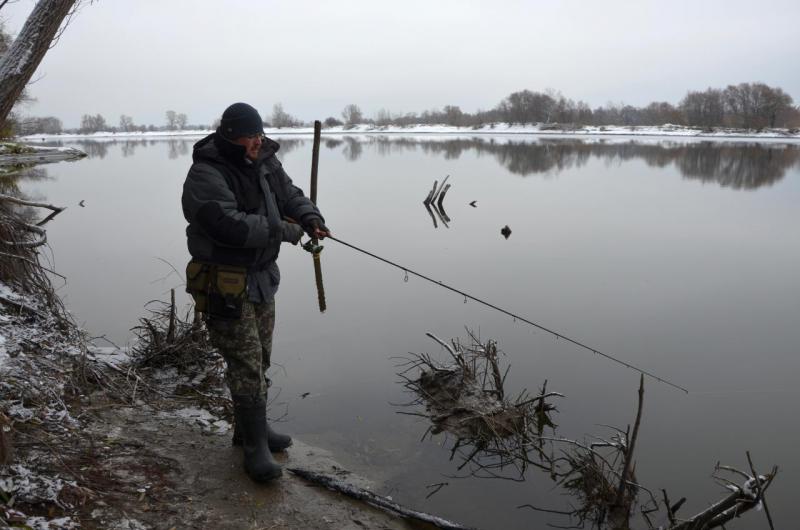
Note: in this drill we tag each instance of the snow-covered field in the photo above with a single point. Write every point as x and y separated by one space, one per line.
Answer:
490 129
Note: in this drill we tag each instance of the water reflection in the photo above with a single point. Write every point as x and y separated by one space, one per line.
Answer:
94 148
733 165
736 165
178 148
12 176
129 148
353 148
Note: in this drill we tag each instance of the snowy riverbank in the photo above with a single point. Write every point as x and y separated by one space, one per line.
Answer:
489 129
88 439
13 153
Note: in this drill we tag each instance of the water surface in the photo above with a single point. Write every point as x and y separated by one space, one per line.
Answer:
679 256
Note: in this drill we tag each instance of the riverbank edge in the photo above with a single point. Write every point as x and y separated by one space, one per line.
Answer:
499 129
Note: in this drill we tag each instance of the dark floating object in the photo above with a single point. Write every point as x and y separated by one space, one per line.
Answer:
506 231
305 395
474 204
81 204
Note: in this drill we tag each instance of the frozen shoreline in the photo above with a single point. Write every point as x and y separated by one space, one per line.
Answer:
499 129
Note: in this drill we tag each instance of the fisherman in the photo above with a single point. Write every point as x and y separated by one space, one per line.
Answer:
241 205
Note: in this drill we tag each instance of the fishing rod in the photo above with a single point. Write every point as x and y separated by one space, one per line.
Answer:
556 334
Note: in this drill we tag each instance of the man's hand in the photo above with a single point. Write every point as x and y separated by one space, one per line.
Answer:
292 232
317 229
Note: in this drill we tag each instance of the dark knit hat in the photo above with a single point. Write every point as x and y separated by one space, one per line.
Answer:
240 119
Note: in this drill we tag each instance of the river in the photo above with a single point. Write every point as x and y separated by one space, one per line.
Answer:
679 256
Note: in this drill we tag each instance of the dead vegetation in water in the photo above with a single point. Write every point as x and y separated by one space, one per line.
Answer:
166 343
498 437
21 240
466 399
434 202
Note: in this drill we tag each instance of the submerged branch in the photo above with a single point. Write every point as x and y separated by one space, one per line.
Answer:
375 500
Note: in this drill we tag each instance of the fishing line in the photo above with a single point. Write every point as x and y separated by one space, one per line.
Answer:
556 334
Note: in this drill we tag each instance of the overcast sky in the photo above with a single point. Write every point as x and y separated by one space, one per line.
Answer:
143 57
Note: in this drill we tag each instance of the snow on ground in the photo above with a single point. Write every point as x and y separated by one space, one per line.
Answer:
488 129
195 415
109 354
31 389
15 149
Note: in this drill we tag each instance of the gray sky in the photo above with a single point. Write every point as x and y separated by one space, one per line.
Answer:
143 57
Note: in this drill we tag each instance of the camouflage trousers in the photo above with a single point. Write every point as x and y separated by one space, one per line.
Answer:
246 345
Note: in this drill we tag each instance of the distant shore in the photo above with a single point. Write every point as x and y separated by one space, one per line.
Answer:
489 129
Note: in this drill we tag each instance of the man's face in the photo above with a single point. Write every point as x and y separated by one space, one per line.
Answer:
251 143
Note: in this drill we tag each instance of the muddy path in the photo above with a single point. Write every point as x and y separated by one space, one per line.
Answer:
180 475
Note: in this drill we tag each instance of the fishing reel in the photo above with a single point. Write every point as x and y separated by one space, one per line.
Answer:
312 247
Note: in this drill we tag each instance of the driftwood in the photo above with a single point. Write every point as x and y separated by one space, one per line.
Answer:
23 202
374 499
19 256
750 494
36 230
441 197
434 202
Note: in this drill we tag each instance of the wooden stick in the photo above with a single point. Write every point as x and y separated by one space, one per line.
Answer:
441 197
630 446
23 202
375 500
759 491
441 187
171 329
315 161
320 287
313 195
430 212
443 344
431 193
33 263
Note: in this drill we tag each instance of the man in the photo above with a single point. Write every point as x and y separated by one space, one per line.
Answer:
241 205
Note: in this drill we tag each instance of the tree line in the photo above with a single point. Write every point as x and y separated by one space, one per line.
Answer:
746 106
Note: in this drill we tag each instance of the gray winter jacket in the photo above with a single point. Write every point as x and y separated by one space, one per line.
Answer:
235 209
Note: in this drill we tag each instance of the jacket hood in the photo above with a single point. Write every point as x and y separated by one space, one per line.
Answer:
215 148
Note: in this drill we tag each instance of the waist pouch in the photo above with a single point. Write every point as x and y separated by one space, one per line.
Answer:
218 290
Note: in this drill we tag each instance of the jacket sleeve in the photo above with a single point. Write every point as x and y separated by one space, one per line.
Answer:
209 202
293 202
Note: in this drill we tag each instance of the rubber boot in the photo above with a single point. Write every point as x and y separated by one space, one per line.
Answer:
250 415
277 442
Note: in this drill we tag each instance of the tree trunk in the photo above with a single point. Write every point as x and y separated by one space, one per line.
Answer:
23 57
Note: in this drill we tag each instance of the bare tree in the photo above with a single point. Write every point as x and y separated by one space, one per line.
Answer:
180 121
453 115
126 123
26 52
43 125
172 120
352 114
383 117
281 118
90 124
527 107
